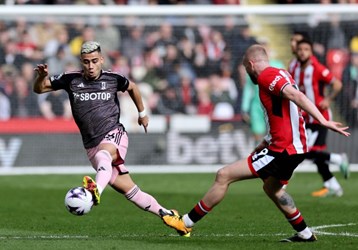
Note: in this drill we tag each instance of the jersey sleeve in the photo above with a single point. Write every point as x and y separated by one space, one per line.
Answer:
324 74
122 83
60 81
273 80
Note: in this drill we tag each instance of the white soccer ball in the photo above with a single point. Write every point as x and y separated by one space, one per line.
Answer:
78 201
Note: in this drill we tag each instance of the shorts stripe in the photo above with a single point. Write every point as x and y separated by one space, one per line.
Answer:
262 162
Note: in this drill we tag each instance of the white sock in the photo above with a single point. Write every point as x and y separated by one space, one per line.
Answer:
305 233
335 158
187 221
332 184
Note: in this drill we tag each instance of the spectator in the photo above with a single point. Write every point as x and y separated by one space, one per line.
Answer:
349 95
152 63
27 72
231 33
28 48
166 37
58 62
108 36
43 32
11 55
330 44
187 92
87 34
23 100
17 28
61 39
171 66
201 64
133 45
215 47
221 98
169 102
205 105
187 55
121 65
190 31
5 110
55 104
243 41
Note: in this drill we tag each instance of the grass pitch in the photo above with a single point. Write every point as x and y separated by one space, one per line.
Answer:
33 216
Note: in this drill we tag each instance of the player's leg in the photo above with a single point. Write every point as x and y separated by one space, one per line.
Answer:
112 149
321 159
102 157
124 184
224 177
273 188
340 160
331 185
275 175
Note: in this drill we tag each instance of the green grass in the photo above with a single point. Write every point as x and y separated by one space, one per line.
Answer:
33 216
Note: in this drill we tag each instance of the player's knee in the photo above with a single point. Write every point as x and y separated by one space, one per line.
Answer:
222 176
103 154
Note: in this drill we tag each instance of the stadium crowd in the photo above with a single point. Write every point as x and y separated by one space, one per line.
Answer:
190 69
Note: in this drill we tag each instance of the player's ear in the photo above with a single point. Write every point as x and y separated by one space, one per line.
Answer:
251 64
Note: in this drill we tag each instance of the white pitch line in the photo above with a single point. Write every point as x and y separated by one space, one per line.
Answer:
315 229
333 225
347 234
43 237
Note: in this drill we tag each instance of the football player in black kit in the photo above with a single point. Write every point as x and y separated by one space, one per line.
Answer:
95 107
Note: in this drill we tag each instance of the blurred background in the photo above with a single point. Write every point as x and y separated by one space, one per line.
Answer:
185 57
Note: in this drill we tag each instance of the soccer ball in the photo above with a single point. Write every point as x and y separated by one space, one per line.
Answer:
78 201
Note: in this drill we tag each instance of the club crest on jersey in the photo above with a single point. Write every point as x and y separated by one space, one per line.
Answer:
103 85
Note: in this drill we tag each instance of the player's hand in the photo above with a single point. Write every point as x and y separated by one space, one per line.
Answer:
41 70
338 127
143 122
324 104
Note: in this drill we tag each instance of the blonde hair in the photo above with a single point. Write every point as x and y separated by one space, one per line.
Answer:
256 52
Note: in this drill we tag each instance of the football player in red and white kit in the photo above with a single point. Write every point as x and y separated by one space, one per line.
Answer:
313 78
295 37
275 159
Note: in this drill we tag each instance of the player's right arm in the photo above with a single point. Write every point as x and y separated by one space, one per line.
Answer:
42 83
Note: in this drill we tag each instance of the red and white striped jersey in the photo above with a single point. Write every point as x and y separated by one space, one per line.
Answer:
285 124
312 81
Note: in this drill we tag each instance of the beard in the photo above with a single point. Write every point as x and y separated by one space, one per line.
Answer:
253 78
303 60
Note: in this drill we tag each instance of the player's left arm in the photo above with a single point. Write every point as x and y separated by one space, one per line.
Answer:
336 88
302 101
136 96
